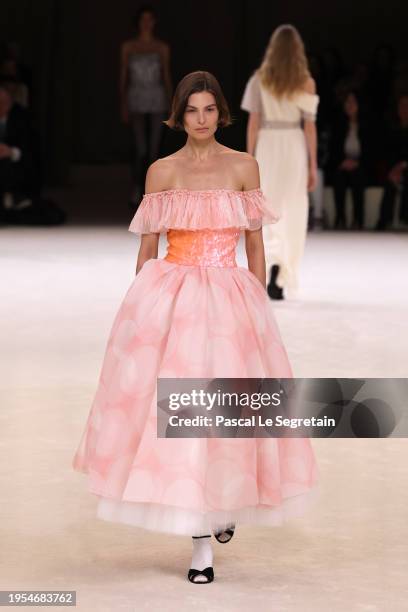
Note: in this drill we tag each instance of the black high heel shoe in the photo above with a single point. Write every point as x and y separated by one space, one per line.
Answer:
230 532
207 572
274 291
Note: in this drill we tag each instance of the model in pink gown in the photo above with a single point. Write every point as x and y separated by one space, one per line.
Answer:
194 313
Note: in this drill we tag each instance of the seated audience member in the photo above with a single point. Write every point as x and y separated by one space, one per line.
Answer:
9 71
16 166
397 168
20 176
350 159
13 65
33 137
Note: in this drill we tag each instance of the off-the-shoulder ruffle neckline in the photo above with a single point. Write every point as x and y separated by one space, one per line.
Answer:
202 191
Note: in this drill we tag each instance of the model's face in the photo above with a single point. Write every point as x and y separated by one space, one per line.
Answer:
146 22
201 115
351 105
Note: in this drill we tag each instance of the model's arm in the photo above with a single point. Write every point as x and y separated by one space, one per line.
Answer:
123 83
254 120
156 178
254 246
309 128
149 247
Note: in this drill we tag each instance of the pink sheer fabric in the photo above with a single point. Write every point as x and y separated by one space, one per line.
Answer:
202 209
193 314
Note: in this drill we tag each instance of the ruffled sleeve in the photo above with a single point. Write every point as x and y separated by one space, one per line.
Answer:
308 103
251 100
194 210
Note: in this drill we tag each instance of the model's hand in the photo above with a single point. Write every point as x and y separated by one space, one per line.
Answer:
312 178
348 164
395 174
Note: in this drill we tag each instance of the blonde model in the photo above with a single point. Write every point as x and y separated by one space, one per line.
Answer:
282 104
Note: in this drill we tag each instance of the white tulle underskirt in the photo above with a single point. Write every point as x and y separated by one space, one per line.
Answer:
181 521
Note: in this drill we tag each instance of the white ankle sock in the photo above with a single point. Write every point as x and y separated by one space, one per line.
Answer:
202 554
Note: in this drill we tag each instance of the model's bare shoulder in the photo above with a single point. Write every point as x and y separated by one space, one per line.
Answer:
236 156
159 173
244 167
249 171
125 47
244 160
245 157
163 47
309 86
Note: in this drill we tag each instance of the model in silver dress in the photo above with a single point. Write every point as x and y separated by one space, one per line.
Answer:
145 93
147 101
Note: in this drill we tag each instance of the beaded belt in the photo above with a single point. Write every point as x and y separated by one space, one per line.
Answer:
280 125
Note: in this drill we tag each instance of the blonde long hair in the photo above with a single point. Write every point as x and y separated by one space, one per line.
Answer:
284 68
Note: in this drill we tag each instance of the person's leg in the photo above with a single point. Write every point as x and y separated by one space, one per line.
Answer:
274 291
403 211
317 196
14 180
202 555
156 123
339 188
273 238
387 205
139 152
358 183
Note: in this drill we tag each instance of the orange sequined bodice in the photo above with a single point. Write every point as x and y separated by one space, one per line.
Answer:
215 248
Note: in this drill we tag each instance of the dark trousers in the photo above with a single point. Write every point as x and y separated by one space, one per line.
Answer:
145 143
389 199
15 178
356 181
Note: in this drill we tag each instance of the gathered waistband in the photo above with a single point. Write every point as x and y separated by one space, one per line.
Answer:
279 125
200 262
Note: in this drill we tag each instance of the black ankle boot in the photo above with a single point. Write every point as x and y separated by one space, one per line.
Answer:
274 292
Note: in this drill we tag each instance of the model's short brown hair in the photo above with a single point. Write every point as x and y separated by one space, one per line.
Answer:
194 82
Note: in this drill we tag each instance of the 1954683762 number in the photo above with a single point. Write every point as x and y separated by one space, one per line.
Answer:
38 598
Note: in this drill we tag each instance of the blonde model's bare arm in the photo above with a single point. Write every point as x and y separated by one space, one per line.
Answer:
254 121
309 129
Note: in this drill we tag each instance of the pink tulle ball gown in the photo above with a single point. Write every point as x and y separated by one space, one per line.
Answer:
194 314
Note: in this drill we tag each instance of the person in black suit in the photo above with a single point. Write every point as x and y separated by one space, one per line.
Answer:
397 162
350 160
16 163
21 177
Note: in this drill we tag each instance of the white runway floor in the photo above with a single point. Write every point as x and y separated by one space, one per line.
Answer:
61 288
